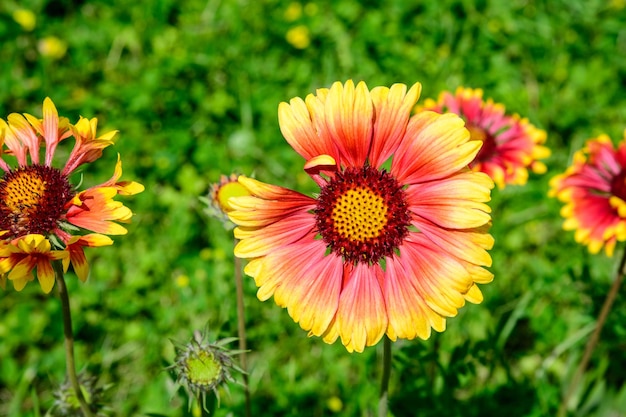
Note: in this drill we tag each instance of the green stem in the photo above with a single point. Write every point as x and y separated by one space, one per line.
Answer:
595 336
241 330
69 338
384 384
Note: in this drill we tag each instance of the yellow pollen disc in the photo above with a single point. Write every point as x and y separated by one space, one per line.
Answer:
24 192
359 214
477 133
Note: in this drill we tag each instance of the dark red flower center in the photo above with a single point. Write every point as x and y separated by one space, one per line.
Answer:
489 142
362 215
618 185
32 200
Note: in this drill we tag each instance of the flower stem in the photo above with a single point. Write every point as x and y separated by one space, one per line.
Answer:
595 336
241 330
384 384
69 339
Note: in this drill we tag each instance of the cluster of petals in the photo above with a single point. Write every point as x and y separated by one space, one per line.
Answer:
512 144
403 291
593 190
82 219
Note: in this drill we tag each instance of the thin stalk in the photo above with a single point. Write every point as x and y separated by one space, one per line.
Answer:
241 330
595 336
383 399
69 338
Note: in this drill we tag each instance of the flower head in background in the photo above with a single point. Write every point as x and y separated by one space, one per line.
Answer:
26 18
511 145
299 37
43 217
202 367
397 238
593 189
52 47
219 194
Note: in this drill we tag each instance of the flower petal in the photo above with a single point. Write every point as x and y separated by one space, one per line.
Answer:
267 204
94 209
260 242
454 203
26 134
349 116
392 108
362 317
434 146
440 279
409 315
45 275
302 279
302 126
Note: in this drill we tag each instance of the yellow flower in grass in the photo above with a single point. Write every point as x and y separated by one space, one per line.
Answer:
43 217
52 47
27 19
593 189
397 238
511 145
299 37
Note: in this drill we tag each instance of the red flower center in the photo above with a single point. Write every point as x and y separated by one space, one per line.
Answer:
32 200
489 142
618 185
362 215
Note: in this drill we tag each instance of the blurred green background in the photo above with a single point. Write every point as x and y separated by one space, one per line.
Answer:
193 87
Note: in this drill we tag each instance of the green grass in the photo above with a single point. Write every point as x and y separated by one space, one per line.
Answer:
193 87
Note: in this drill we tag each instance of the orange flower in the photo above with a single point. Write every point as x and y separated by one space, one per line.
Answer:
20 258
593 189
380 250
43 217
511 144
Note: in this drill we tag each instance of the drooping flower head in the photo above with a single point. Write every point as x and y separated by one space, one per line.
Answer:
593 189
397 238
511 145
43 217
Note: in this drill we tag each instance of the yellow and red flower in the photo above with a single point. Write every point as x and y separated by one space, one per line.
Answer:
43 218
511 145
593 189
217 200
397 238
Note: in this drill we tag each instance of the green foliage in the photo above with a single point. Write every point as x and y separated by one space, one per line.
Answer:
193 87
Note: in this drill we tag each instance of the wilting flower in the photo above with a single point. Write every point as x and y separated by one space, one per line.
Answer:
218 199
397 238
202 367
511 145
43 217
593 189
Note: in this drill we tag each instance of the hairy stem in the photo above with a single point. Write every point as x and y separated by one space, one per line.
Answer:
241 330
69 338
595 336
384 384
